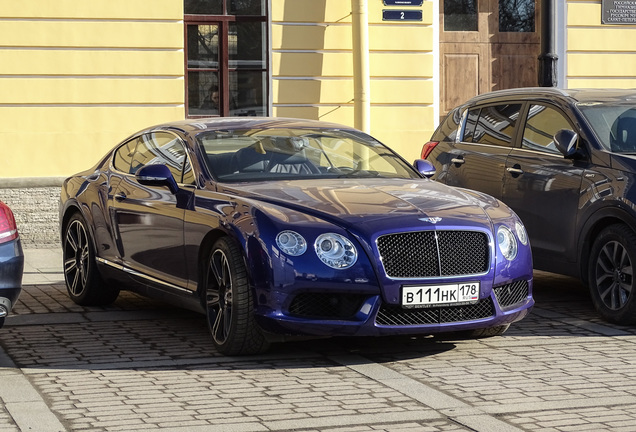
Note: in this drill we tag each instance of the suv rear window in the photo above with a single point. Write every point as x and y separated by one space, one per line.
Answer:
493 125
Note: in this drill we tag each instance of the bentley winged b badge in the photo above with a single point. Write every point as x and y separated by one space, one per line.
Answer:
432 220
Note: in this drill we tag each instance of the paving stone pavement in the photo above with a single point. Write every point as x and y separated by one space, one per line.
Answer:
140 364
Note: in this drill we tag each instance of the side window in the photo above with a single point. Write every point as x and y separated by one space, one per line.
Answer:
161 148
188 174
447 131
471 121
541 125
496 125
123 156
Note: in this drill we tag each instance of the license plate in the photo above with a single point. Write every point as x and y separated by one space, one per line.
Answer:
440 295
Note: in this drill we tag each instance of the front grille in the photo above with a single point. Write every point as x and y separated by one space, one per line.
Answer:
391 315
434 253
511 294
326 305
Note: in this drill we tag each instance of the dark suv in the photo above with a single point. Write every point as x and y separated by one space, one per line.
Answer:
565 161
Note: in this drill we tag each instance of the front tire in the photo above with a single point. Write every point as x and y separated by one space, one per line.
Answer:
611 274
479 333
229 304
488 332
83 281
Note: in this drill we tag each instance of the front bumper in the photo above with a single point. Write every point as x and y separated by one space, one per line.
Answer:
371 316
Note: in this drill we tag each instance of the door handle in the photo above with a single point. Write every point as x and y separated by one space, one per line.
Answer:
458 161
120 196
514 170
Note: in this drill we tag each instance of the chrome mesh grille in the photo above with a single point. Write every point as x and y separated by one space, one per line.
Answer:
392 315
434 253
512 294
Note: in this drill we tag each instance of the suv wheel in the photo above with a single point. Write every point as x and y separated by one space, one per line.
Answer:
611 274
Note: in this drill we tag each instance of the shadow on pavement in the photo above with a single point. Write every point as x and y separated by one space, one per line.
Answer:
136 333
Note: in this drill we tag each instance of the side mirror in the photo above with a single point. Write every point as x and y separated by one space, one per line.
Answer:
424 167
157 175
565 141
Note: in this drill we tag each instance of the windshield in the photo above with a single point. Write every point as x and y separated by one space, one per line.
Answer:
614 125
271 154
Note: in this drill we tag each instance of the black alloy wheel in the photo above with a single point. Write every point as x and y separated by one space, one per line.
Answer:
83 281
611 277
229 304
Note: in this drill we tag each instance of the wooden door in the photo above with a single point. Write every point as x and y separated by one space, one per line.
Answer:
486 45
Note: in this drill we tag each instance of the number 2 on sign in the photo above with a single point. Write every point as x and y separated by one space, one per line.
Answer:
401 15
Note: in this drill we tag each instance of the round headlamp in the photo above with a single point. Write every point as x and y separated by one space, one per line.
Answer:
291 243
522 234
335 250
507 242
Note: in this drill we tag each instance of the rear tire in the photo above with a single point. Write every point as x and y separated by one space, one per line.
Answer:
83 281
611 274
228 302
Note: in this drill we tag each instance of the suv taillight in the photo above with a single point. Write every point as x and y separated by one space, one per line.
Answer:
428 148
8 228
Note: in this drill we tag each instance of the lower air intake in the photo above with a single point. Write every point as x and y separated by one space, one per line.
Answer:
391 315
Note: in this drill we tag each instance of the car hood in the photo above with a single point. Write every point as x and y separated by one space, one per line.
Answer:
369 204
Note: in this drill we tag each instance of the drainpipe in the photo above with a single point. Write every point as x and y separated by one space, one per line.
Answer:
361 81
548 57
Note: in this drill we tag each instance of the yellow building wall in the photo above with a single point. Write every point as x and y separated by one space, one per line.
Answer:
77 77
312 69
598 55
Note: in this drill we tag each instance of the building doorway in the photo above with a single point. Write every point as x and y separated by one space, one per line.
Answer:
487 45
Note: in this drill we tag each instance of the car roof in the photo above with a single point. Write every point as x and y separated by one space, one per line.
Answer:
573 95
195 126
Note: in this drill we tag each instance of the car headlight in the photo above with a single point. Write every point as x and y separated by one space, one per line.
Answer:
522 234
336 251
291 243
507 242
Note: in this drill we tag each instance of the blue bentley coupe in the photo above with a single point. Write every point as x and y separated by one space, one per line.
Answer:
284 228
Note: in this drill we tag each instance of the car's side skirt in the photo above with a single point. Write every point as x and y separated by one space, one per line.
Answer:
153 287
142 275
